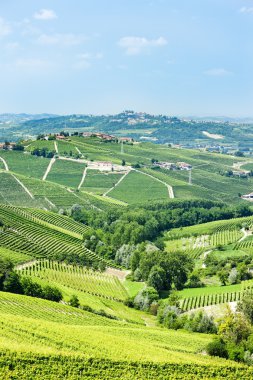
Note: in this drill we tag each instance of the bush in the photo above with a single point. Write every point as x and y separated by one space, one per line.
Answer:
145 297
52 294
217 348
74 301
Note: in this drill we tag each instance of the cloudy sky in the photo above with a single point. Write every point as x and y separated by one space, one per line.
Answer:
177 57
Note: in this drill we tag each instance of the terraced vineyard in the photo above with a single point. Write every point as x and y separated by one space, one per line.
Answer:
37 237
78 278
58 341
214 295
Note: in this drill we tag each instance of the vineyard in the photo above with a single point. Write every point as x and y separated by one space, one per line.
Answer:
77 278
214 295
26 233
59 342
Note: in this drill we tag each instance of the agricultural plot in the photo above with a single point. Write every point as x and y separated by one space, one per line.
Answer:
26 235
98 182
54 195
195 298
11 192
67 173
14 257
39 144
25 163
78 278
138 188
75 341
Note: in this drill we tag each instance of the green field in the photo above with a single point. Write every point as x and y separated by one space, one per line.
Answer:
138 188
67 173
98 182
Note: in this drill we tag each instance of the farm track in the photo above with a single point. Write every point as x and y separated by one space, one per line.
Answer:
5 164
170 188
116 184
83 178
52 161
24 187
56 147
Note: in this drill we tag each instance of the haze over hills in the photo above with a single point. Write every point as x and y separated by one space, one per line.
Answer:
141 126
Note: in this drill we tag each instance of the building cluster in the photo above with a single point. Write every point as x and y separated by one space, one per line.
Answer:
174 166
8 146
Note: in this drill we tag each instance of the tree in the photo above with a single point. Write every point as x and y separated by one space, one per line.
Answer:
223 276
234 328
245 306
123 163
12 283
52 293
6 267
156 278
74 301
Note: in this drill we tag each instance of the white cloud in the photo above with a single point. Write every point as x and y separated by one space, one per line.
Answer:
45 14
32 63
246 10
84 61
136 45
68 39
5 28
218 72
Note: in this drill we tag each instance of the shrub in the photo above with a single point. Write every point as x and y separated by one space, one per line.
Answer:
217 348
145 297
74 301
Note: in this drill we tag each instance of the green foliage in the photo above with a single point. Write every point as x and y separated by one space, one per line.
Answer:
74 301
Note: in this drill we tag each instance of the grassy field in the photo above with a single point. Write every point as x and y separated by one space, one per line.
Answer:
138 188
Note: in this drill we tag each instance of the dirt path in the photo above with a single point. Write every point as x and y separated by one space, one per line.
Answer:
170 188
83 178
56 147
80 161
237 165
121 274
116 184
5 164
24 187
78 150
25 265
246 233
205 254
52 161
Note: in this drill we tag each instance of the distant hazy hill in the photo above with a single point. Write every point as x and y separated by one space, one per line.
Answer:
141 126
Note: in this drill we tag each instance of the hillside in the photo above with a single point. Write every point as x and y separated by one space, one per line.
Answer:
139 125
89 171
111 236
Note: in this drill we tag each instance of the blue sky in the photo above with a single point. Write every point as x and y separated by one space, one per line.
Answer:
176 57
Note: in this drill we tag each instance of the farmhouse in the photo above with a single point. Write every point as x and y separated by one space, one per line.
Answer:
248 197
184 166
126 139
166 165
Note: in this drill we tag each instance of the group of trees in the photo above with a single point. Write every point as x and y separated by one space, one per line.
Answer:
230 270
11 281
43 152
234 338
